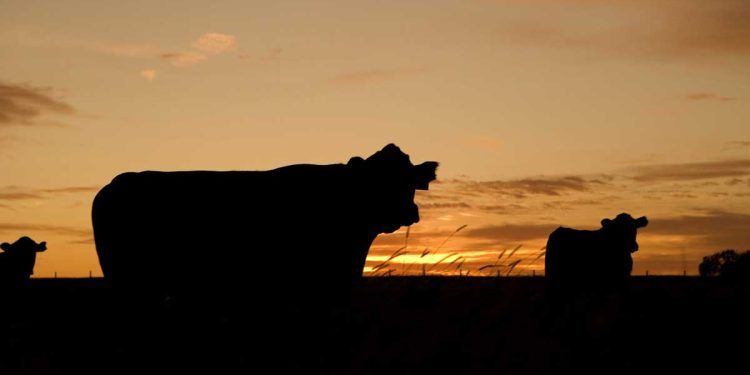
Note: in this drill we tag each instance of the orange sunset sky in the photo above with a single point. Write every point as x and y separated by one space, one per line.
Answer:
541 113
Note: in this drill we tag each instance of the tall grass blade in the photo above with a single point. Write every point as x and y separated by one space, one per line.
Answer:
512 266
514 251
441 261
449 237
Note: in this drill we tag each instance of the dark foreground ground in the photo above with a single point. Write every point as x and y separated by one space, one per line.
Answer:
390 325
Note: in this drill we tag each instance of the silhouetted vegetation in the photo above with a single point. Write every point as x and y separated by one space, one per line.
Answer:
728 264
392 325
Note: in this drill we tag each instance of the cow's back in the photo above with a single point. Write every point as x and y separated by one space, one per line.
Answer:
571 254
582 259
162 228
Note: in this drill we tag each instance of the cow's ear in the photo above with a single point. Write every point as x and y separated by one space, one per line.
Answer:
5 246
355 161
391 149
641 222
424 173
606 222
390 155
42 246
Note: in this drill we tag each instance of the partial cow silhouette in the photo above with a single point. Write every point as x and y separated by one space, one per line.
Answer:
599 257
17 260
296 227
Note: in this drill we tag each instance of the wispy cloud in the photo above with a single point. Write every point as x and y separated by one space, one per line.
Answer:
416 238
148 74
44 228
183 59
16 196
22 104
443 205
215 43
373 75
71 190
716 229
512 232
201 49
206 45
691 171
501 208
708 96
86 240
682 30
575 203
15 193
553 186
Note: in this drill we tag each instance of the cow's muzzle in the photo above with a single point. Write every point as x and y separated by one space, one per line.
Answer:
423 174
412 216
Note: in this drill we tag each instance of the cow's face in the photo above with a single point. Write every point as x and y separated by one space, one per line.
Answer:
389 180
623 230
24 244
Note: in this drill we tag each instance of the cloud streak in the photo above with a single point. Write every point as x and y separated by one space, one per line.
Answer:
215 43
695 96
182 59
148 74
55 229
15 193
27 105
691 171
685 30
550 186
716 229
511 232
208 44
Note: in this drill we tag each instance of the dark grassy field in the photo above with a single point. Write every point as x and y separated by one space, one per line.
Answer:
389 325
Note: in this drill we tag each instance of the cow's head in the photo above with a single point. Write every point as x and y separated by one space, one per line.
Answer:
623 230
388 180
24 245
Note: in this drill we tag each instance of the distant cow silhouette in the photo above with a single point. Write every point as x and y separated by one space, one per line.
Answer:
596 256
307 225
17 260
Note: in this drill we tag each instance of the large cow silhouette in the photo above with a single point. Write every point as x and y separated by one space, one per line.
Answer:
599 256
306 225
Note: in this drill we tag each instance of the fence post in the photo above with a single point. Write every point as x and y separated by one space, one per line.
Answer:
424 273
533 273
55 274
646 272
